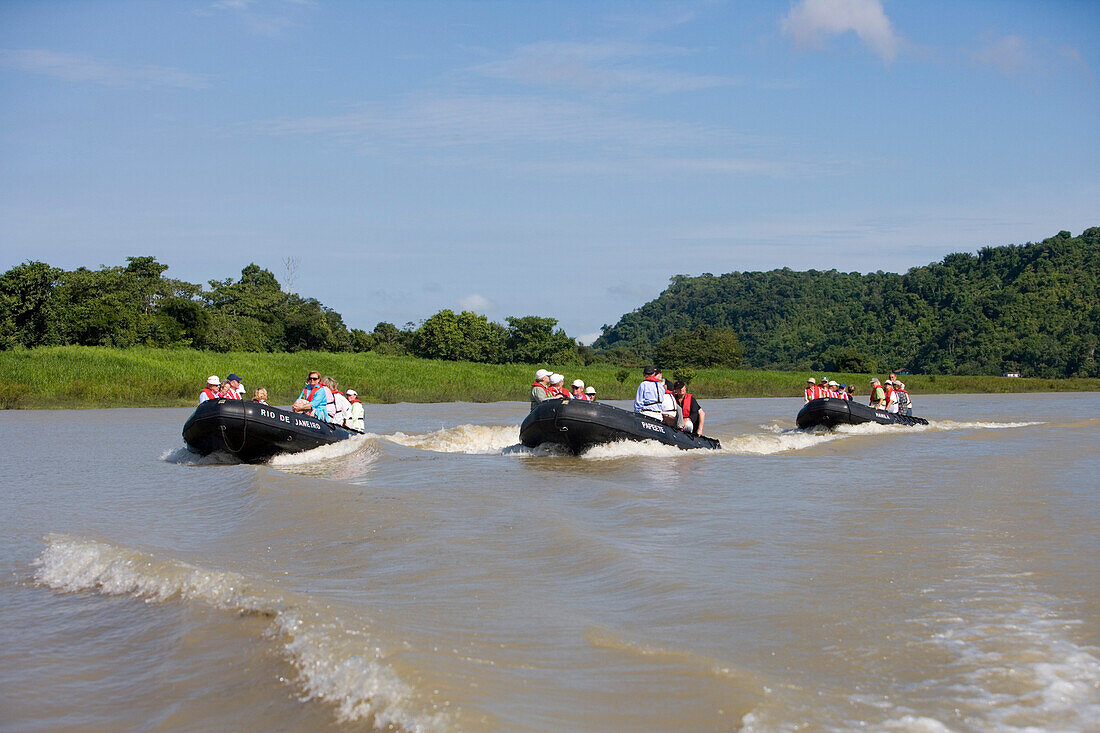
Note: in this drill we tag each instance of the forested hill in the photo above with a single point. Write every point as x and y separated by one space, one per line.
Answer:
1032 308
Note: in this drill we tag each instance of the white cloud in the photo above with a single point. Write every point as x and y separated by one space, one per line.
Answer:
73 67
1010 55
476 303
588 338
811 21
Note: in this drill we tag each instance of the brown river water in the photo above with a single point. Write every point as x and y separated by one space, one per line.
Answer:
435 576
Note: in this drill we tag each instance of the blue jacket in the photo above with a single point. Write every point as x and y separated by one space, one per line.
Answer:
648 397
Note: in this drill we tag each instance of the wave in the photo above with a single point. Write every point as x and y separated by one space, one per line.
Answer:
472 439
184 456
335 661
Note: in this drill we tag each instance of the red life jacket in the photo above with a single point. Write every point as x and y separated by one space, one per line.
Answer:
308 397
353 400
210 394
685 406
234 395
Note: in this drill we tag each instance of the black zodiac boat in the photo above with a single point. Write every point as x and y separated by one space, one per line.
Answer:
577 425
830 412
254 432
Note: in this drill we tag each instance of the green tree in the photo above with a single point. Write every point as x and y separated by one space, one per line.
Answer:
534 340
27 306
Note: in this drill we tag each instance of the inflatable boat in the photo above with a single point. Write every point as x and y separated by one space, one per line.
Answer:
577 425
830 412
254 432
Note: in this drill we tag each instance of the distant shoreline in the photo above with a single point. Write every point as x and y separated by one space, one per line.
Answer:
77 377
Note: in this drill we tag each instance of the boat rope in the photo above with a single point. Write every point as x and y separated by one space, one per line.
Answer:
244 437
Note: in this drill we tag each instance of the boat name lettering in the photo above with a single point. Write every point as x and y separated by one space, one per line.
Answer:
307 423
272 415
654 428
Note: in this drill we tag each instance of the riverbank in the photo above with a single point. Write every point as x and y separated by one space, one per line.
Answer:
89 376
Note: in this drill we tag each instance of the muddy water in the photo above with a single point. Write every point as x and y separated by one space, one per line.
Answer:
435 576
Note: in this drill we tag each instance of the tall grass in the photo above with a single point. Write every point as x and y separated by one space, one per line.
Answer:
86 376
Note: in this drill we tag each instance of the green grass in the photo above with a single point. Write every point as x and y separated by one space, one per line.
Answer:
86 376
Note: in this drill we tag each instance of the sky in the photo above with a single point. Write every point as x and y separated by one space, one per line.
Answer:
560 159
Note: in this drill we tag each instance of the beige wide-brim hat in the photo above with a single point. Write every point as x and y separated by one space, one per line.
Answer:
213 380
811 380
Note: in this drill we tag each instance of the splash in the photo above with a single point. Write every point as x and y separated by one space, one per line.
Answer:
335 664
472 439
185 457
323 453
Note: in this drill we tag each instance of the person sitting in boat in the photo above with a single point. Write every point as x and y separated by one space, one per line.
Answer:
834 390
905 403
260 396
238 388
590 393
671 414
689 408
849 391
647 400
540 390
317 395
210 391
812 390
878 395
557 386
893 399
355 414
339 408
577 392
226 392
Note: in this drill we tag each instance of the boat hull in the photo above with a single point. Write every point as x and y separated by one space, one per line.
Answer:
829 412
255 432
578 425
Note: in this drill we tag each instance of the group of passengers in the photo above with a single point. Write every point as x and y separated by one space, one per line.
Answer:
828 388
675 407
320 398
551 386
890 395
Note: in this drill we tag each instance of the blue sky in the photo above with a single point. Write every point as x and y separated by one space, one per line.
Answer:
534 158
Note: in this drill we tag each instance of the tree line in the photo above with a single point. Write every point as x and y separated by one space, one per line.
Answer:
136 304
1033 309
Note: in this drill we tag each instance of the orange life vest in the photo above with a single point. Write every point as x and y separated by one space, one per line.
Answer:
210 394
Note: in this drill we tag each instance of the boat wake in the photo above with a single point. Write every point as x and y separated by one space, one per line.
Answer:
472 439
337 658
185 457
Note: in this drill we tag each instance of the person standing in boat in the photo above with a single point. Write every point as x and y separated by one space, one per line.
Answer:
355 414
689 408
878 395
210 391
317 396
540 390
647 400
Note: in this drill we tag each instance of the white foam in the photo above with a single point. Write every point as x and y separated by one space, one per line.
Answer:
360 685
322 453
472 439
185 457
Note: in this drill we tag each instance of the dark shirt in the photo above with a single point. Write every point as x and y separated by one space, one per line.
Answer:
693 415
